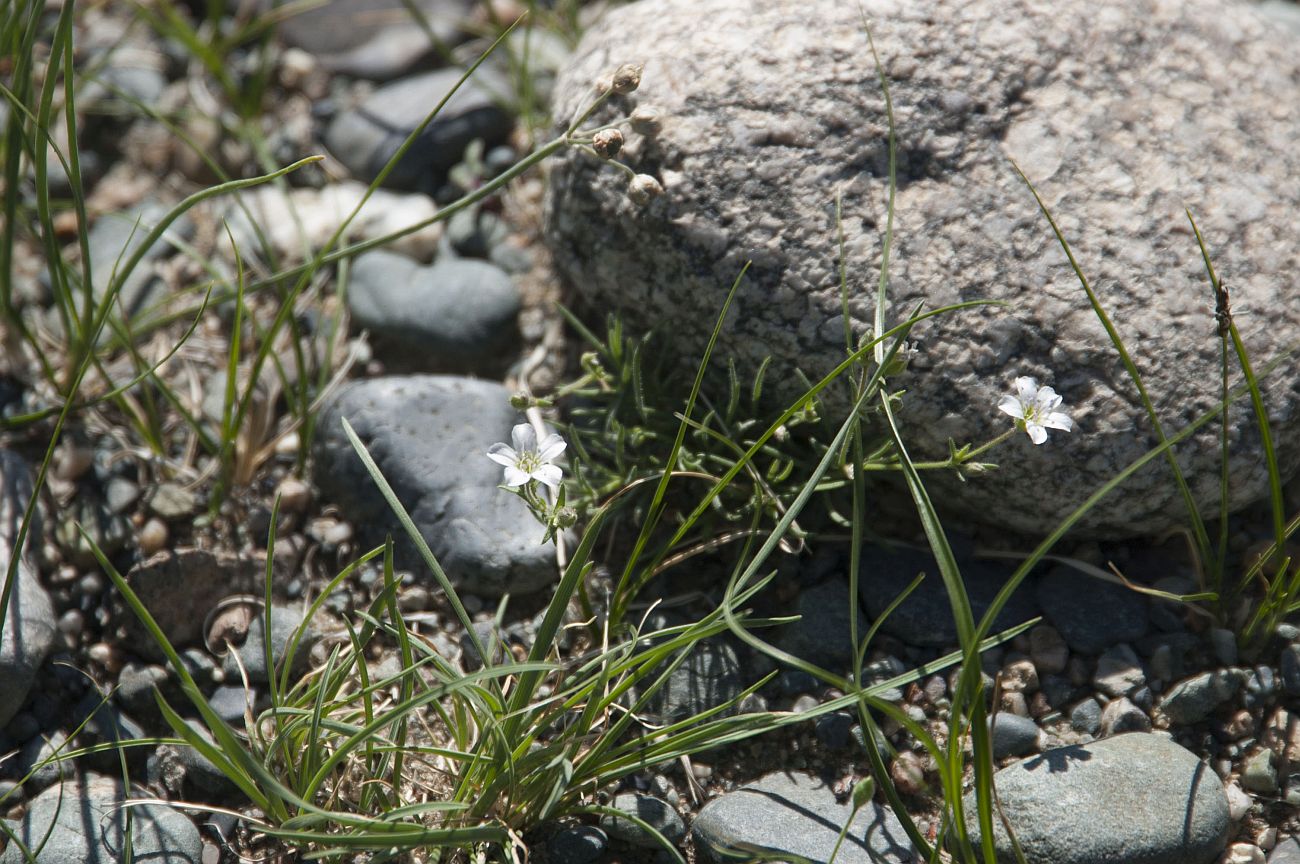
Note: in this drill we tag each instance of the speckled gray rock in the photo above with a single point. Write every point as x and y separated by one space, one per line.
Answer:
655 812
159 835
1091 614
1121 112
373 38
451 314
28 631
366 136
579 844
1133 798
430 434
1193 699
797 815
925 617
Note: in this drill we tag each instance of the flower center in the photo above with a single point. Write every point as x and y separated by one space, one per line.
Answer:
529 461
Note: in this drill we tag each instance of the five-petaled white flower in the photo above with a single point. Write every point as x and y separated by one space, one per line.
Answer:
527 461
1036 407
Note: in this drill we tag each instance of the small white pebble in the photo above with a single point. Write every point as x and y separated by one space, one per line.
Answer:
152 537
1243 853
287 445
295 495
1238 801
106 655
701 771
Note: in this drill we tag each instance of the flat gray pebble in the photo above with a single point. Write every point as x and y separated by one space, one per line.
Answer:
1013 735
1091 614
655 812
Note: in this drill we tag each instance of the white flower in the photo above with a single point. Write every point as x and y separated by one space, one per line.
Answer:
526 461
1036 407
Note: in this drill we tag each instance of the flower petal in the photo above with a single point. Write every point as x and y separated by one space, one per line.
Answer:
1011 405
551 447
1059 420
502 454
1037 433
1027 389
515 477
1047 400
525 437
551 475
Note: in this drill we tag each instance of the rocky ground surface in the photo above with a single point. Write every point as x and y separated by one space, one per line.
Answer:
1126 725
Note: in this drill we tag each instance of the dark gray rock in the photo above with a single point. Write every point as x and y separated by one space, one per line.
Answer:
366 136
821 635
1086 716
39 761
1194 699
475 232
771 105
710 676
377 39
655 812
429 436
229 702
925 617
1091 614
285 622
580 844
835 730
451 314
158 833
1289 666
796 815
180 588
1121 715
30 627
1013 735
1136 797
176 765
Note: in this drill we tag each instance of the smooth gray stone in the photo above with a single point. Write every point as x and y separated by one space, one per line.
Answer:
821 635
1013 735
1286 852
925 617
365 137
1086 716
581 844
429 435
453 313
1132 798
115 237
709 677
655 812
797 815
773 104
1289 666
159 835
30 627
285 622
376 39
1194 699
1091 614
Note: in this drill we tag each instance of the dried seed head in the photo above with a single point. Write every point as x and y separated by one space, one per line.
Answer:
642 188
646 120
607 143
627 78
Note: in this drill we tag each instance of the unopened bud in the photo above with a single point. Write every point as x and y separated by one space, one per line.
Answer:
521 402
642 188
607 143
646 120
566 517
627 78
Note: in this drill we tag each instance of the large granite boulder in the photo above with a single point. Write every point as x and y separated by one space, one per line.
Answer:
1121 112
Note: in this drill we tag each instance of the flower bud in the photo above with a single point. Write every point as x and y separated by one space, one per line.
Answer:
642 188
607 143
627 78
520 402
646 120
566 517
